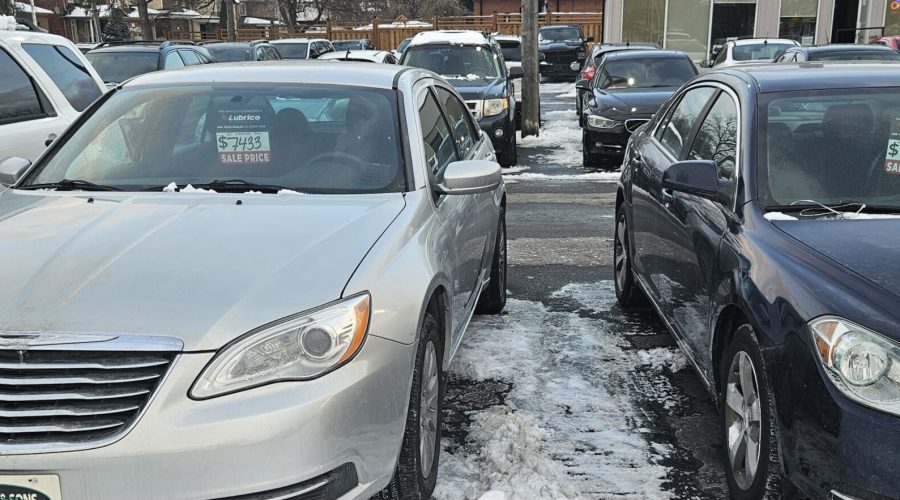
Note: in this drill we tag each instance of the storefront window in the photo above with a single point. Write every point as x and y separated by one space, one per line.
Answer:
688 28
892 18
798 20
643 21
732 19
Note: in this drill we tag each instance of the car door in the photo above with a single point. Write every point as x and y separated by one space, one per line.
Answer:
652 155
692 227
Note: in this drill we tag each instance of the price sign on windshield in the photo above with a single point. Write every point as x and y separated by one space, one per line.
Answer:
892 156
242 138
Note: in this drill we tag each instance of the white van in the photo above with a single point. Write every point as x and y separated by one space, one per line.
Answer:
45 83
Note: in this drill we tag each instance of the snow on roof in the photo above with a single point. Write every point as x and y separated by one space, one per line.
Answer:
8 23
103 10
258 21
449 36
397 24
26 7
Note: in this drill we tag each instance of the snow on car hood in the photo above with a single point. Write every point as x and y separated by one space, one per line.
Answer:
198 267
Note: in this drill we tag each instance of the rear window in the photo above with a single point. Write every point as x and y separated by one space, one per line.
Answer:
857 55
230 53
293 50
67 72
645 73
758 52
512 50
116 67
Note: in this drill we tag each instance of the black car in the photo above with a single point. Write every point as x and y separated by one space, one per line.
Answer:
626 91
474 65
592 60
120 61
839 52
759 212
260 50
561 48
345 45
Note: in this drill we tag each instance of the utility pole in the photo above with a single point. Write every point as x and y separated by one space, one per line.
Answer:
531 91
232 22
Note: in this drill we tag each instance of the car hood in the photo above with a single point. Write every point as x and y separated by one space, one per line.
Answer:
199 267
868 247
478 88
633 101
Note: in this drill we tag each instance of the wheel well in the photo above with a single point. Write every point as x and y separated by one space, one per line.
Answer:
731 317
619 198
437 307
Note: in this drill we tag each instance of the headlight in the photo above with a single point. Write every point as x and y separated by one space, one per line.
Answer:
297 348
601 122
495 106
864 365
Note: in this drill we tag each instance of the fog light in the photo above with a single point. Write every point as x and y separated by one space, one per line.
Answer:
498 133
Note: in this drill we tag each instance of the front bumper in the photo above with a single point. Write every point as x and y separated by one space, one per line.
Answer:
607 143
558 70
274 437
502 122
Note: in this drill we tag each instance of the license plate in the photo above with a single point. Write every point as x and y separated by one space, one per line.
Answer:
30 487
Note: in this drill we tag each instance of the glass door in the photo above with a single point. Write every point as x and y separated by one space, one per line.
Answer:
731 19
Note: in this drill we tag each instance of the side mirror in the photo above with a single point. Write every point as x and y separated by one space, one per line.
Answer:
470 177
706 63
516 72
575 66
697 177
12 169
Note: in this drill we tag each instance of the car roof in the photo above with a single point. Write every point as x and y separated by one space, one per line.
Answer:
359 54
646 53
788 77
354 40
297 40
559 26
379 76
460 37
757 41
845 47
127 47
608 49
29 37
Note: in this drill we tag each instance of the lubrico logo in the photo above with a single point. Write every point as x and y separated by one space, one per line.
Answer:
20 493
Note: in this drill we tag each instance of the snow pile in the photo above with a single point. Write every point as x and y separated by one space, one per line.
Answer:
559 90
588 176
663 357
8 23
561 138
173 188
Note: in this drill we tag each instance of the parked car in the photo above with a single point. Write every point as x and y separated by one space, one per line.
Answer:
838 52
345 45
402 47
244 294
119 61
559 47
471 62
86 47
45 83
228 52
888 41
592 61
748 51
511 47
627 90
759 215
303 48
375 56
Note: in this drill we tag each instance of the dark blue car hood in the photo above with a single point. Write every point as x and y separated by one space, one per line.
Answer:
869 247
632 101
478 88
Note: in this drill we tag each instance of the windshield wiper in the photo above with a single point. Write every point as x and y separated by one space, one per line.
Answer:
72 185
237 186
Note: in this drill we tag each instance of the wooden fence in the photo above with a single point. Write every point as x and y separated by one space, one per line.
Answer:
387 36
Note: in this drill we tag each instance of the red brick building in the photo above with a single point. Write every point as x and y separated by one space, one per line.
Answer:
488 7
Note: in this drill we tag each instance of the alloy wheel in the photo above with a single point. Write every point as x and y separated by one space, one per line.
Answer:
620 252
428 409
743 420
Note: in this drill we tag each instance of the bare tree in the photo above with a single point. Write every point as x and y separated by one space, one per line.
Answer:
7 8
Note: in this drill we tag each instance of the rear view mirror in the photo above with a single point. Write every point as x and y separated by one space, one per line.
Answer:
697 177
12 169
575 66
470 177
516 72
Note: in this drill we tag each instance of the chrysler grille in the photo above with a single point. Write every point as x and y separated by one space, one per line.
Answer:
71 399
632 125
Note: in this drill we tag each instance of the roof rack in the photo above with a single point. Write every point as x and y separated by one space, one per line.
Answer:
128 42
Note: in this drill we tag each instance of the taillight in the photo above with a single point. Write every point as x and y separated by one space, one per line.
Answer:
588 73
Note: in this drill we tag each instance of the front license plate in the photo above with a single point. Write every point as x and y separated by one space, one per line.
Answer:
30 487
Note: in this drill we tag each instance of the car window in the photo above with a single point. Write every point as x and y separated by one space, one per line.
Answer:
173 60
390 59
67 72
723 53
261 54
274 55
293 50
455 62
567 34
116 67
464 132
190 57
436 137
230 52
18 97
758 51
677 129
717 137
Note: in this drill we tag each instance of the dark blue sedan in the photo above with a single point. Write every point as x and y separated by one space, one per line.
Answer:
759 212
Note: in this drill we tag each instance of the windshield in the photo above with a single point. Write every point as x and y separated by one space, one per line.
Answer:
758 51
458 62
347 45
857 55
312 139
116 67
645 73
230 53
559 35
293 50
830 147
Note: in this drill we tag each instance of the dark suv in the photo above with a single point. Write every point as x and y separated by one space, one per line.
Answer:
560 47
474 65
259 50
120 61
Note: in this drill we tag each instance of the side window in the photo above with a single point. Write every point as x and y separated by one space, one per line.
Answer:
67 72
799 56
436 137
390 59
273 53
464 131
717 137
18 98
677 129
173 60
261 54
190 57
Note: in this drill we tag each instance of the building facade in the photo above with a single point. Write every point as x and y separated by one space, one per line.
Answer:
696 26
489 7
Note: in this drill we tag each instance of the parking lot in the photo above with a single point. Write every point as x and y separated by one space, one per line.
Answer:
566 395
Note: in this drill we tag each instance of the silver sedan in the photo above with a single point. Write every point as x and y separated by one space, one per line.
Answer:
244 280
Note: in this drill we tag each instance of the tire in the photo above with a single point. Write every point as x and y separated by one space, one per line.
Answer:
588 159
409 480
627 292
748 421
510 155
493 297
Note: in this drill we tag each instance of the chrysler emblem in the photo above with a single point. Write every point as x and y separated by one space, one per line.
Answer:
22 341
